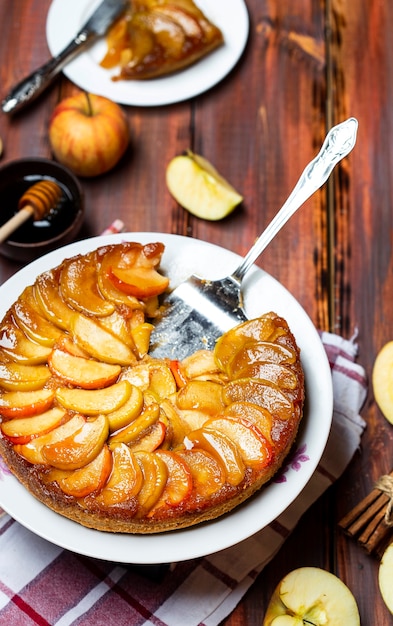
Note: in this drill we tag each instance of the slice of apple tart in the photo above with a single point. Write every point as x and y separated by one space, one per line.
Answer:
117 440
158 37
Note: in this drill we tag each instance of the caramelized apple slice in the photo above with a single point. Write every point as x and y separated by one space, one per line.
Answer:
126 479
32 451
19 348
80 448
23 429
263 393
178 486
119 325
88 479
95 401
276 373
128 412
264 328
78 286
155 474
33 324
131 433
81 372
139 282
259 352
222 449
52 305
200 363
25 403
206 396
141 337
161 383
208 474
258 415
151 439
99 342
254 448
19 377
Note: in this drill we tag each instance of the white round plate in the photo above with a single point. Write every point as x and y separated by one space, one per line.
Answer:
262 293
65 17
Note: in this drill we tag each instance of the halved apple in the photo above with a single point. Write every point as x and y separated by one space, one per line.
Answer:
208 474
155 474
85 373
95 401
385 577
255 449
99 342
310 595
382 377
262 393
20 377
131 433
80 448
25 403
32 451
78 286
19 348
222 449
88 479
23 429
126 478
53 307
206 396
128 411
178 486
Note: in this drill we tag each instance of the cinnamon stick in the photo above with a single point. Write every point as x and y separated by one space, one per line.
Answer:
371 521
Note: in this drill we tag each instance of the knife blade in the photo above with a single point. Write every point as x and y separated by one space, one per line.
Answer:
33 85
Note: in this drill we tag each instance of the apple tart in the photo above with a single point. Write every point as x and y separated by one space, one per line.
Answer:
114 439
158 37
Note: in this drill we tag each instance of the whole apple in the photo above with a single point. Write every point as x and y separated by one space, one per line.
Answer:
88 134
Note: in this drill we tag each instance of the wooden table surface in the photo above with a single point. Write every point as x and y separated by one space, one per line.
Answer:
308 65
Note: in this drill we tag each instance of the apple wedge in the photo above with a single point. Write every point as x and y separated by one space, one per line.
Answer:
204 395
382 380
23 429
310 595
260 352
385 577
198 187
99 342
262 393
52 305
207 473
155 474
128 411
32 451
19 348
33 324
125 480
258 415
81 372
20 377
178 486
131 433
140 282
80 448
78 286
25 403
222 449
88 479
94 401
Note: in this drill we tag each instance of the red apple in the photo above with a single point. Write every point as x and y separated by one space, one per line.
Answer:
88 134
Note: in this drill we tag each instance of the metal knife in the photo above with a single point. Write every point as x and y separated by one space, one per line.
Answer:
95 27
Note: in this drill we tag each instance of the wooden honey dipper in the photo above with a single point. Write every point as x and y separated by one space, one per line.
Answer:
37 201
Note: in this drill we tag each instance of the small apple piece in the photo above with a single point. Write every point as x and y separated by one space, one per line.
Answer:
125 480
155 474
178 486
128 411
310 595
99 342
88 479
199 188
88 133
385 577
382 379
131 433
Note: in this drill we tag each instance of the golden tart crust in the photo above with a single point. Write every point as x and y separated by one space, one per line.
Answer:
118 441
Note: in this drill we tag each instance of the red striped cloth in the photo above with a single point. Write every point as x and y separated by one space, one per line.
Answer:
42 584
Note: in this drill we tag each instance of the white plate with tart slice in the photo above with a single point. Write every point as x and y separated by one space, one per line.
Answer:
65 17
183 256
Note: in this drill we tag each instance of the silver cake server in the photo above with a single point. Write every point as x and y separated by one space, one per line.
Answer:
199 310
96 26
